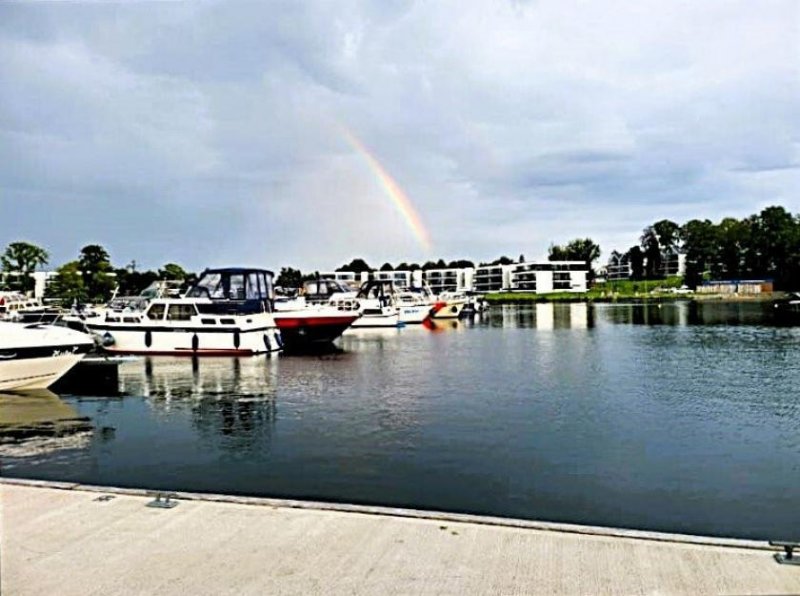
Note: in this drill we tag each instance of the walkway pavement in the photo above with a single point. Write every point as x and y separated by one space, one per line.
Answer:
73 540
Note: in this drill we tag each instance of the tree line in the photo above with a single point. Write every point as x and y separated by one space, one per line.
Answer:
765 245
89 278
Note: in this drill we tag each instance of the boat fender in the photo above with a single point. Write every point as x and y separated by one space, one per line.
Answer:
267 344
237 340
279 340
108 339
195 342
148 338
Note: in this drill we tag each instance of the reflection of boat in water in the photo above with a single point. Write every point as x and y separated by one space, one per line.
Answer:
787 311
227 312
173 377
36 356
231 400
441 324
37 413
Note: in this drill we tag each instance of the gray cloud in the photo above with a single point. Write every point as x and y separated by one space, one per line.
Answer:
210 132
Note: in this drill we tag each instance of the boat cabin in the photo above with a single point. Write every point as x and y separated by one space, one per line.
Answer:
319 291
234 291
378 289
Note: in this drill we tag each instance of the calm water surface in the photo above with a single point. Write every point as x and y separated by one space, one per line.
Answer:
666 418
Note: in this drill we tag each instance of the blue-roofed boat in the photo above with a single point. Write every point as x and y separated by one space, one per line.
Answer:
227 312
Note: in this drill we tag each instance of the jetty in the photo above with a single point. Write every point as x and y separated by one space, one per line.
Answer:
63 538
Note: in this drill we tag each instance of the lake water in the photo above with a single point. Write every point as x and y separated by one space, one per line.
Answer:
672 418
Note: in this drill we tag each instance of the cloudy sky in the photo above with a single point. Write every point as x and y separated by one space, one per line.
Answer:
221 133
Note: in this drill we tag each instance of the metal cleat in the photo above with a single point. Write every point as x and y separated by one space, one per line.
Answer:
786 557
162 500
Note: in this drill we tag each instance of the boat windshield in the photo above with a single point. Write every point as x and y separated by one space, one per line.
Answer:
376 289
233 285
324 287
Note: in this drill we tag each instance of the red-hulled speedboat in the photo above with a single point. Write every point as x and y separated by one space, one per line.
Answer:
309 326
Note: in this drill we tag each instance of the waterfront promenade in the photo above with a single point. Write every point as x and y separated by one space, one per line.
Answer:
60 538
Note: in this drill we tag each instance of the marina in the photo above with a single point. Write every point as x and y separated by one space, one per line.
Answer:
612 415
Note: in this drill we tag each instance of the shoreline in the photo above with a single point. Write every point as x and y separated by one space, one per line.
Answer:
522 298
403 512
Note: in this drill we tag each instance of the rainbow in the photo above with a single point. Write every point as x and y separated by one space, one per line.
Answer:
401 201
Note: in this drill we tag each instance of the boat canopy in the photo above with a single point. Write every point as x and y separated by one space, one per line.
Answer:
377 288
243 287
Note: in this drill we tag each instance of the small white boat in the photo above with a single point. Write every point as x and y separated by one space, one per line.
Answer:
376 302
34 356
20 308
227 312
449 305
415 304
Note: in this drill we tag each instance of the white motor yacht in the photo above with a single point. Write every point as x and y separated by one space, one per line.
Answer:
415 304
227 312
34 356
449 305
376 302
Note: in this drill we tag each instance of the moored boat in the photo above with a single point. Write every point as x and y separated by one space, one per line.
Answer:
227 312
313 325
376 302
34 356
449 306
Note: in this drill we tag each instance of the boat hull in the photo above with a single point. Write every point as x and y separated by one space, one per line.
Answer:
188 341
448 310
414 314
300 330
377 320
38 372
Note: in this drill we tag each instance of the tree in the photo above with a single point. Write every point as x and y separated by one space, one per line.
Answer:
98 274
387 267
774 242
172 271
356 266
289 278
699 244
461 264
731 240
67 285
23 258
652 253
668 234
636 259
580 249
557 253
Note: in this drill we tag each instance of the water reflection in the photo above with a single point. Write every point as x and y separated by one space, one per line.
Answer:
544 315
231 400
168 379
687 313
35 422
621 415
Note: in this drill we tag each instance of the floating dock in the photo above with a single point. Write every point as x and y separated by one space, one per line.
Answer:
61 538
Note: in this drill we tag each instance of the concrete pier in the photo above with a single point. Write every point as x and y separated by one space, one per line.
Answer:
60 538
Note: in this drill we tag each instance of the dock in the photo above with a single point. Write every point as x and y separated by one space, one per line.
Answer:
62 538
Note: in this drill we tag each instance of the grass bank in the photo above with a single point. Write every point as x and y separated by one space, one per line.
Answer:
617 291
